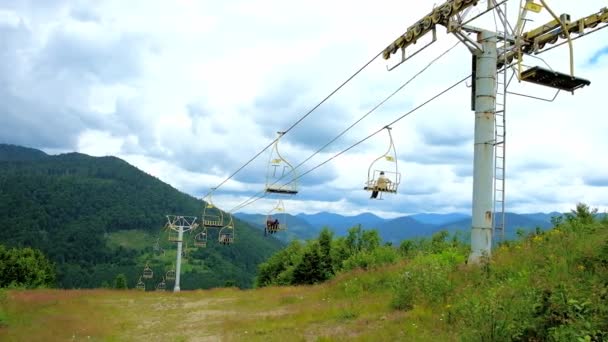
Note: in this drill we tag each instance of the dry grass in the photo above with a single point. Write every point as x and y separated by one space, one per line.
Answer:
303 313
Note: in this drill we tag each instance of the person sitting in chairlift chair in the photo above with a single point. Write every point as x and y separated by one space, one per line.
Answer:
381 185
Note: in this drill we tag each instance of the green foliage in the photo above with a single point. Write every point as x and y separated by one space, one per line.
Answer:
25 267
120 282
550 286
310 269
322 258
371 259
97 217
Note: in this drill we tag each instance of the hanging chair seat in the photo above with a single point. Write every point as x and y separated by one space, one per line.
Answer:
391 188
281 191
213 223
226 239
148 273
553 79
272 228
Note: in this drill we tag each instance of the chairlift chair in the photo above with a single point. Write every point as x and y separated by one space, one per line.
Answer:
173 236
536 39
140 285
384 178
200 239
280 175
161 286
170 275
148 273
226 234
212 217
277 211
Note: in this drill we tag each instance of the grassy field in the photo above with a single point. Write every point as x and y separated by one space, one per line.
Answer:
550 286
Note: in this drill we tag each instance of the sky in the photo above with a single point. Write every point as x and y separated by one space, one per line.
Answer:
188 91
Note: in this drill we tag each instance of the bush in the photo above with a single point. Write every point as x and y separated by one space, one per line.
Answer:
120 282
371 259
25 267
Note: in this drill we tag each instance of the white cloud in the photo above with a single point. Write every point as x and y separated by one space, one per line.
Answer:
190 90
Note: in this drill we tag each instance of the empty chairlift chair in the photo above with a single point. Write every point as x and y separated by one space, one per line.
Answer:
226 234
200 239
162 286
212 217
383 173
280 175
170 275
148 273
276 220
535 40
141 286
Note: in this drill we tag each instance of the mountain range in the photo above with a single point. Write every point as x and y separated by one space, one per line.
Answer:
305 226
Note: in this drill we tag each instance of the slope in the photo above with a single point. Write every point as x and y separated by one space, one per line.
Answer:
530 291
76 209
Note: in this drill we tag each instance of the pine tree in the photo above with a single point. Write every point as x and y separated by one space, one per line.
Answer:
308 271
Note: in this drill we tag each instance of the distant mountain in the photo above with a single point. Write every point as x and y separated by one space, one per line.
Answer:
20 153
421 225
513 221
430 218
97 217
542 216
403 228
297 228
340 224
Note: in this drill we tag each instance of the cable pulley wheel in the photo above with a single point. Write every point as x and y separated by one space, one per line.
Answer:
446 11
427 22
457 5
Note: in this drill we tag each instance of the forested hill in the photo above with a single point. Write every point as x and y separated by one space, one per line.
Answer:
96 217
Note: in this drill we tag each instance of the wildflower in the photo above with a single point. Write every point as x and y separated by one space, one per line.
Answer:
581 267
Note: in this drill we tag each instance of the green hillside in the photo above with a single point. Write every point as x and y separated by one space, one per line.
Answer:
549 286
98 217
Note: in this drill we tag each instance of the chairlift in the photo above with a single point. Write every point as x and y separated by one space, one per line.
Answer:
200 239
538 38
280 174
161 286
213 217
273 223
226 234
158 250
383 173
140 285
173 236
170 275
148 273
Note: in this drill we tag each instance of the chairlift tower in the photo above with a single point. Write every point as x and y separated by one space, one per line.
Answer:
493 55
180 224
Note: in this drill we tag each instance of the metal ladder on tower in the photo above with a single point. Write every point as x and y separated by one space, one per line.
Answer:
498 217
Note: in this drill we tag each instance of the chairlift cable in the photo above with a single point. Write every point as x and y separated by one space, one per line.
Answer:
296 123
390 124
252 200
247 203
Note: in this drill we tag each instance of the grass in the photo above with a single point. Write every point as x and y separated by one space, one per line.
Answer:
551 286
130 239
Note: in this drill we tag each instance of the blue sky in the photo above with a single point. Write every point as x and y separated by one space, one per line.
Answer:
190 90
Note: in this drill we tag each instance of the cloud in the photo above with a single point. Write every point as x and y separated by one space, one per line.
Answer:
189 91
596 180
598 55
